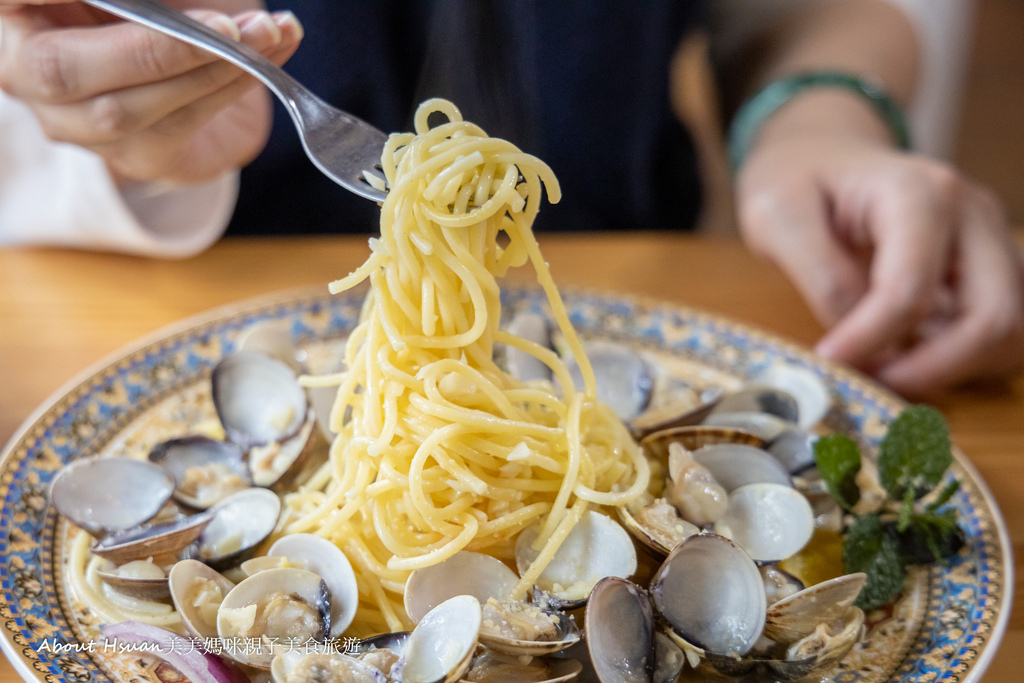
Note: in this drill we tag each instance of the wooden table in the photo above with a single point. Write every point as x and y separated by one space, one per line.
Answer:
61 311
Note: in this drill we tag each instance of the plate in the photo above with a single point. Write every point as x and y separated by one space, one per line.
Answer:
946 627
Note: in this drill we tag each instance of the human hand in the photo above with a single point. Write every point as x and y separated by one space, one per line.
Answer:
911 265
153 107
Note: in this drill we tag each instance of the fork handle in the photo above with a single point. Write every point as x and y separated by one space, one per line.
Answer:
171 22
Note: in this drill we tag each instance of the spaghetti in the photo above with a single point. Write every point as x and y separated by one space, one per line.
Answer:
439 450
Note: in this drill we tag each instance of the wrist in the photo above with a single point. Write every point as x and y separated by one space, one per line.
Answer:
825 113
817 104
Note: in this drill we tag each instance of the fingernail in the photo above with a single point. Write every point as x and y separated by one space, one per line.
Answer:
222 23
289 24
260 25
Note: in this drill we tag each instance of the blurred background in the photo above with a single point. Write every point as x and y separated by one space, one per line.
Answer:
988 141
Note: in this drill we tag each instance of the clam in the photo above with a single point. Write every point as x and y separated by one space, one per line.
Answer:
241 522
319 555
141 579
763 425
197 591
279 464
794 449
162 542
624 380
710 593
302 666
756 398
110 495
769 521
272 338
522 365
657 525
693 437
805 386
205 471
620 629
494 667
675 414
669 659
258 399
271 612
441 647
799 615
779 584
595 548
735 465
508 626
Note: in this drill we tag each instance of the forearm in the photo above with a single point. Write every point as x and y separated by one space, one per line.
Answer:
869 38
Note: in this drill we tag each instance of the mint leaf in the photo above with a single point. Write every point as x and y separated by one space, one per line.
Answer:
906 510
929 537
914 453
868 548
943 497
838 460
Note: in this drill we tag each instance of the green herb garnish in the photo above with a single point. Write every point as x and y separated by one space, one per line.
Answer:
913 458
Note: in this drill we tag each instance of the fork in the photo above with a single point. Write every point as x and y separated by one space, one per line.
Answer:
344 147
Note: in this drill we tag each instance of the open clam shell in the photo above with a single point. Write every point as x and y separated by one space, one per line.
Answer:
769 521
322 557
763 425
694 437
110 495
711 594
257 398
139 579
620 631
163 542
441 647
794 449
278 465
797 616
811 394
241 522
521 365
197 591
624 381
760 398
274 610
675 414
494 667
596 547
272 338
464 573
205 471
508 627
735 465
300 665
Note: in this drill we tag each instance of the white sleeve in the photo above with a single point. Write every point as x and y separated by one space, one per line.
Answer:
944 29
62 195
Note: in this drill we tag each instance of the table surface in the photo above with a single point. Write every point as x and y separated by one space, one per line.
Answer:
61 311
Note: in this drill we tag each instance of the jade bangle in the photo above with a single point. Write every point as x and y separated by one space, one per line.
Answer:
772 97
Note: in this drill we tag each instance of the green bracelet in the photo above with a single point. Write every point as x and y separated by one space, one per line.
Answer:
772 97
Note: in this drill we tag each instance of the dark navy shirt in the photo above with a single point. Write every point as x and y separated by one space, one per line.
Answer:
582 84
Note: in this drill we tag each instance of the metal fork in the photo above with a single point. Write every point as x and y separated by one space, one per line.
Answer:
344 147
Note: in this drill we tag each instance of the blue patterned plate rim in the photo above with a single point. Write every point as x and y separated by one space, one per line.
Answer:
966 669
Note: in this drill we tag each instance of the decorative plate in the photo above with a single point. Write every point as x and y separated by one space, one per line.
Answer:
946 627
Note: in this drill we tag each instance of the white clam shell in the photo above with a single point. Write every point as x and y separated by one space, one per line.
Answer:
596 547
104 495
769 521
322 557
464 573
711 593
812 396
441 646
734 465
